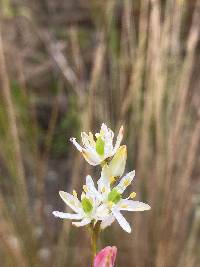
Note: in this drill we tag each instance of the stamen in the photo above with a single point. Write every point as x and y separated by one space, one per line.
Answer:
103 190
85 188
132 195
91 138
112 179
74 193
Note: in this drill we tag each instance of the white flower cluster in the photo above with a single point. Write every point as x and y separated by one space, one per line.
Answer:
105 202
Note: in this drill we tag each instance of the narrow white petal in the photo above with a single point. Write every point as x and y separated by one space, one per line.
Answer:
104 127
131 205
90 183
119 139
85 140
91 157
107 221
64 215
91 139
104 182
70 200
125 182
84 222
106 131
108 139
76 144
122 221
91 188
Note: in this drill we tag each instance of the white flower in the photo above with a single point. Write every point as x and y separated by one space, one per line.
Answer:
113 201
86 210
97 149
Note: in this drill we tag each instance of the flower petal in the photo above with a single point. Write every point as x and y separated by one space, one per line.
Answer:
89 152
131 205
102 212
92 191
64 215
76 144
107 221
91 139
121 220
108 139
91 157
86 140
106 257
125 181
119 139
103 182
70 200
117 164
84 222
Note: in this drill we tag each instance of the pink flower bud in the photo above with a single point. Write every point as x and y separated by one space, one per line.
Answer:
106 257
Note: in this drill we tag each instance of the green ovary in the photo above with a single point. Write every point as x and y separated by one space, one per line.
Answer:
87 205
114 196
100 146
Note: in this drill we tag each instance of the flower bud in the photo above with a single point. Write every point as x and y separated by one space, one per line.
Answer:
117 165
106 257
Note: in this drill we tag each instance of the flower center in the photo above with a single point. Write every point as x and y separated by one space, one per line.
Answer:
114 196
87 205
100 146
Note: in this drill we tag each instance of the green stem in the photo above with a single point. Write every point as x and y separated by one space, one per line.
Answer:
94 238
94 244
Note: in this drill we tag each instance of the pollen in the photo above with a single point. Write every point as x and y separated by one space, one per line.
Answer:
124 206
103 190
132 195
112 179
85 188
74 193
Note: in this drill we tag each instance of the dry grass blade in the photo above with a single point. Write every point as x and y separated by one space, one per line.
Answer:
7 98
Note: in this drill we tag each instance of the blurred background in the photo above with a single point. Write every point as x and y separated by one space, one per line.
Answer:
68 66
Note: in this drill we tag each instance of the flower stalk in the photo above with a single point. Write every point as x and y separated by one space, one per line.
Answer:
95 229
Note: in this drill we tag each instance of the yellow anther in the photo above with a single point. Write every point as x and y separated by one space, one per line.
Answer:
132 195
85 188
103 190
124 206
74 193
126 182
112 179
